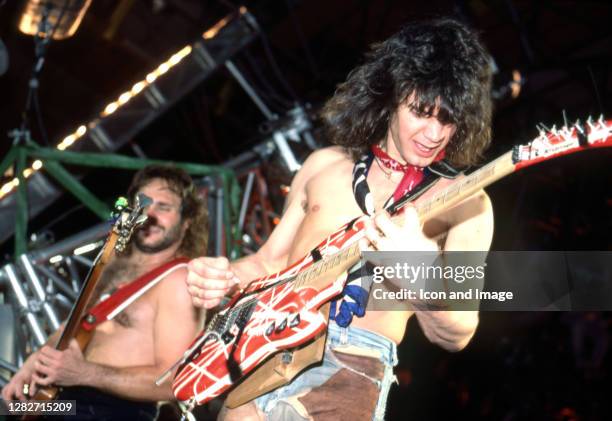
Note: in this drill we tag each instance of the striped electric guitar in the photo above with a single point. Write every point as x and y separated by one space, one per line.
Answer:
275 327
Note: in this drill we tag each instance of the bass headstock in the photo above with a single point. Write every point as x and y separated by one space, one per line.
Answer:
127 219
554 142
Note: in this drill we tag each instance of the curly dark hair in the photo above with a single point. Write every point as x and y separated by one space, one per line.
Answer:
193 209
447 69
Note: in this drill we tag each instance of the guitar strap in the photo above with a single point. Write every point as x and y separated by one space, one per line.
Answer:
128 293
414 183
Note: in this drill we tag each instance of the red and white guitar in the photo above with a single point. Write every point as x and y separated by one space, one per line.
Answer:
286 311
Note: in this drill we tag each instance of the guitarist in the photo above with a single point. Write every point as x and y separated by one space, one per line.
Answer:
115 375
420 95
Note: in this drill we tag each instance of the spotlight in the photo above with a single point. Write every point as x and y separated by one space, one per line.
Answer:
59 18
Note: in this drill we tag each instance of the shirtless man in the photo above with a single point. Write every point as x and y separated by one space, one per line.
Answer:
423 92
115 376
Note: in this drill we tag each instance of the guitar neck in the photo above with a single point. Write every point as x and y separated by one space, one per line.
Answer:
322 272
73 324
465 187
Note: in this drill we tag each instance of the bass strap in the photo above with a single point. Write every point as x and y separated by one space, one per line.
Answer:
125 295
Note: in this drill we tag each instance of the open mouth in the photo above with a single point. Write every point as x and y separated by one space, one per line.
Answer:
424 150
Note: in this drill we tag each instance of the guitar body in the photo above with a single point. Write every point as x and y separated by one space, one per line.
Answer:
280 312
279 370
280 318
48 393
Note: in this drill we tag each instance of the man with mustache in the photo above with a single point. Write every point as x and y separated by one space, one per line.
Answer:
115 375
421 95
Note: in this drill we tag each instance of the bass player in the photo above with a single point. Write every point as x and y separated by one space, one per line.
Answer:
114 378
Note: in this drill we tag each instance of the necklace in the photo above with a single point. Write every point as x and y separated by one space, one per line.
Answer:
387 174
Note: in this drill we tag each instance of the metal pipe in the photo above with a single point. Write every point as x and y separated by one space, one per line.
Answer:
69 244
39 291
285 151
8 366
74 275
250 92
245 200
63 301
22 300
61 284
219 223
84 260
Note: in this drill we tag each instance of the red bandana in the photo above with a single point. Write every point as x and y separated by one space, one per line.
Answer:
413 175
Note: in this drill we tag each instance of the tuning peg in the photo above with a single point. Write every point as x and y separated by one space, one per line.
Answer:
141 219
143 200
583 139
590 124
121 202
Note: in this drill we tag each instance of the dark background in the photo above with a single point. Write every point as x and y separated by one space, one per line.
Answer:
519 366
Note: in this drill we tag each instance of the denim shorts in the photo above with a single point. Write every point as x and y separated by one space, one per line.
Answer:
368 360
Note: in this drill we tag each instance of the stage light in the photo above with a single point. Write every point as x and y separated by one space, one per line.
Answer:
38 6
58 18
86 248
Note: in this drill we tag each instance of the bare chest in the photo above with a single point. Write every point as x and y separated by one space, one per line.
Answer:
331 203
118 274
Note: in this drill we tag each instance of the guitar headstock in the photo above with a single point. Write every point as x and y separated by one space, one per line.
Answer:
556 142
128 219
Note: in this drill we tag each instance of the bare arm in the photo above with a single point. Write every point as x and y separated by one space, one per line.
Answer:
273 255
210 279
472 230
176 324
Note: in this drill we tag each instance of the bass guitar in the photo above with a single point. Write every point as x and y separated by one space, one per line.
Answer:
127 219
276 326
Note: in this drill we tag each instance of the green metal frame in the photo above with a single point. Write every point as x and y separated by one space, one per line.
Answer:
52 159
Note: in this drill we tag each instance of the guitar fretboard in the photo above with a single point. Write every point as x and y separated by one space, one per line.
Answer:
465 187
345 258
444 199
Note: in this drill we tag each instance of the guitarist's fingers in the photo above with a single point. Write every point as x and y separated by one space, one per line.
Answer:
13 390
373 237
199 302
74 345
211 284
18 392
212 268
206 294
42 368
32 389
49 353
411 219
42 381
385 225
